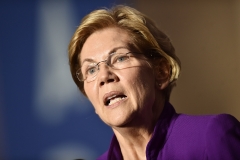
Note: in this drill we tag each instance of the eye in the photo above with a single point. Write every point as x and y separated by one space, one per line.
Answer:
92 70
120 58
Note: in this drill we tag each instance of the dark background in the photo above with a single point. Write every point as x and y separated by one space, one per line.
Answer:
25 132
42 114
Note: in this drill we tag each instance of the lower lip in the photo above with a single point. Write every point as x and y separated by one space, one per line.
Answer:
114 105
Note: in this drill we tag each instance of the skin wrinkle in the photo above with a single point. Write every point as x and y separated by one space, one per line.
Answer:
146 85
137 134
133 120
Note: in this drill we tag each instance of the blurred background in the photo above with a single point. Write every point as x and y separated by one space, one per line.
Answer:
43 116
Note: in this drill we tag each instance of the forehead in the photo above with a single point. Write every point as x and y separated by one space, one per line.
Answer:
99 44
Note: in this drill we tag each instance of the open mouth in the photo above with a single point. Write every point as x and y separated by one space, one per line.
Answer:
113 99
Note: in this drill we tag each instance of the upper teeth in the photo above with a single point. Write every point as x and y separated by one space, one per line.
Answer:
113 100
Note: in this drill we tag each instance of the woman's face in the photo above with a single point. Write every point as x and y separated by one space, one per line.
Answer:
120 97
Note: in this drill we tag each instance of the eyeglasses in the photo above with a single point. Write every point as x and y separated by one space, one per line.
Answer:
89 70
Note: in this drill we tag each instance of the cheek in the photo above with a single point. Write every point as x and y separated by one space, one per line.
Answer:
144 78
142 84
91 93
87 91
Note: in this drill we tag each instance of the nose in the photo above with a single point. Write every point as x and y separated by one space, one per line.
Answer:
106 74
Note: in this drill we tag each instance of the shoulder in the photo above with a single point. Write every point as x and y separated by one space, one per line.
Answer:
208 126
207 122
186 137
192 123
223 137
222 124
209 136
222 129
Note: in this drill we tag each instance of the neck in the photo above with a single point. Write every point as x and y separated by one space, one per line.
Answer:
134 137
133 142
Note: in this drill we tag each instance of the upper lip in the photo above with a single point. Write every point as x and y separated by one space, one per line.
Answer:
110 95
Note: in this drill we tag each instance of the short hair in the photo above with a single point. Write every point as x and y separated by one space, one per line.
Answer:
146 37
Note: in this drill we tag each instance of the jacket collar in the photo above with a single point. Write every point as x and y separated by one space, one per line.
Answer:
158 139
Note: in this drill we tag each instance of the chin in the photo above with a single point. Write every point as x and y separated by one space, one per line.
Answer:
121 122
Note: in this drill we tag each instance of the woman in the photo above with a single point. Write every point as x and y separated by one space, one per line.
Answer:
127 68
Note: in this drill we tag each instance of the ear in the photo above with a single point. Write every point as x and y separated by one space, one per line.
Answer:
162 70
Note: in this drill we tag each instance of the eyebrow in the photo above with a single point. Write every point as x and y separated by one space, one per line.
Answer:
109 53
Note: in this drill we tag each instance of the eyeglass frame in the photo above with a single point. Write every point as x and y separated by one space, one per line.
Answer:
79 72
153 54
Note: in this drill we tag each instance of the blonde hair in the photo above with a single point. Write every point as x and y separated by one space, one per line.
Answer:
146 37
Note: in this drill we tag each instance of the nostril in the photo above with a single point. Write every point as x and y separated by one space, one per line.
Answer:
110 80
102 83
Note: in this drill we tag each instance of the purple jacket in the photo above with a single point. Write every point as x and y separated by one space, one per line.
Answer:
186 137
